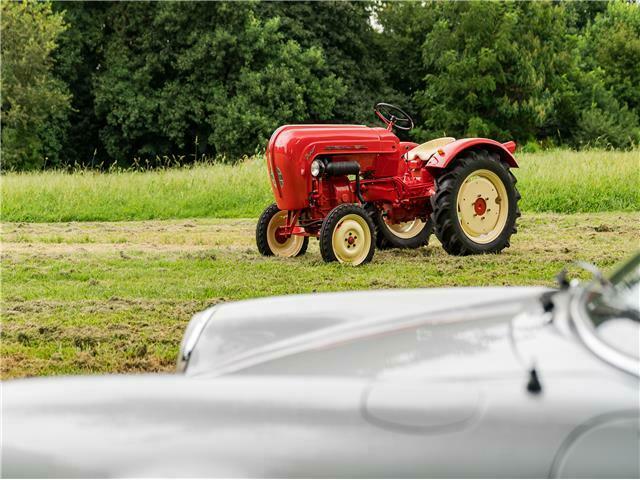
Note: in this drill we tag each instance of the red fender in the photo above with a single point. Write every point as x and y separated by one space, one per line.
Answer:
444 155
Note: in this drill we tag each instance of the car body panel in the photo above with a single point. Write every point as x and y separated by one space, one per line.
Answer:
291 427
254 331
439 389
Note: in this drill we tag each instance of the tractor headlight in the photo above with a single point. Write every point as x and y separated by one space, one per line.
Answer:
316 168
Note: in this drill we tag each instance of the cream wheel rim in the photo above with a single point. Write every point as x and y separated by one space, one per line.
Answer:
280 247
406 230
483 206
351 239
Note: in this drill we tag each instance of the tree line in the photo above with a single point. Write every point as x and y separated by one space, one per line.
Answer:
94 83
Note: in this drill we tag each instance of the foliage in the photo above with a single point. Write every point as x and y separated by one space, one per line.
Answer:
600 120
189 79
516 75
79 58
35 103
612 44
581 13
608 110
342 30
202 77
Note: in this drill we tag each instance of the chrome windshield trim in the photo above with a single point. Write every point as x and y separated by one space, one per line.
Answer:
587 334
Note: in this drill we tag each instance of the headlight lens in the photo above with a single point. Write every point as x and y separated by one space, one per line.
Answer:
316 168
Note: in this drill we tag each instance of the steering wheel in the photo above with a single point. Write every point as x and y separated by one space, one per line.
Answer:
393 116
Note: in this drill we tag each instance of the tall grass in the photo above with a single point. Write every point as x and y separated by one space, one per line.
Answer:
553 181
223 191
565 181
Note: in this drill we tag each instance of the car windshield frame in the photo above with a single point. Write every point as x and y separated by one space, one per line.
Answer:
585 324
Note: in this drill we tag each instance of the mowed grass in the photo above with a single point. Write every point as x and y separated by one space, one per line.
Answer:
554 181
116 297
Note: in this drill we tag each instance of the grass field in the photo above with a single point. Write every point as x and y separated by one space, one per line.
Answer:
554 181
91 293
115 297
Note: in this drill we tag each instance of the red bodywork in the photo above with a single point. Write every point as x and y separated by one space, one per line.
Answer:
400 188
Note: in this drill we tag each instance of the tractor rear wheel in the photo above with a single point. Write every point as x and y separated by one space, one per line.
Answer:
270 242
476 205
347 235
412 234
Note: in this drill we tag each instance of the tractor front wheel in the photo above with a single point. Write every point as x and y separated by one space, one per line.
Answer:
476 205
271 242
347 235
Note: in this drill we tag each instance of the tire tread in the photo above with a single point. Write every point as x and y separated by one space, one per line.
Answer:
329 224
445 200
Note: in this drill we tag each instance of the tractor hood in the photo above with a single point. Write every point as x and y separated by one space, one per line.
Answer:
292 148
245 335
310 140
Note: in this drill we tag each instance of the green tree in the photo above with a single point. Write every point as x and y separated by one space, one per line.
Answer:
78 59
140 79
35 103
598 118
192 78
405 28
603 97
582 12
500 77
612 44
563 73
351 46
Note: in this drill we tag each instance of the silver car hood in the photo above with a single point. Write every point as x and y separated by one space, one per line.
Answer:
435 392
297 426
240 335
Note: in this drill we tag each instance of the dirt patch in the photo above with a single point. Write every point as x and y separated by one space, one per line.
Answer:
113 304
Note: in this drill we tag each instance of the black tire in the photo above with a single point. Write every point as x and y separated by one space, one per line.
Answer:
445 208
389 239
262 229
381 242
333 220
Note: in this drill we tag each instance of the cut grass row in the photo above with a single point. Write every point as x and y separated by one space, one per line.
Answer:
554 181
115 297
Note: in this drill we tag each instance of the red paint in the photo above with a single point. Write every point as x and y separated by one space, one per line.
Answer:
446 154
281 235
510 146
480 206
400 188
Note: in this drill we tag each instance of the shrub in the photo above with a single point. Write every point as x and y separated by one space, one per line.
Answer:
35 103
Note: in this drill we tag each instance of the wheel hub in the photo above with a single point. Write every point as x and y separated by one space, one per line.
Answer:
351 240
480 206
280 236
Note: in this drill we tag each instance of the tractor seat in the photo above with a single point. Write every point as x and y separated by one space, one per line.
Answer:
425 150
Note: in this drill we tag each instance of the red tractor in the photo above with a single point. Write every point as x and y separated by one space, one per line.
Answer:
356 187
